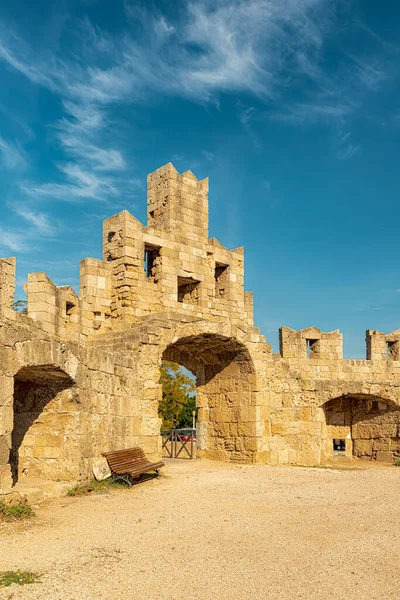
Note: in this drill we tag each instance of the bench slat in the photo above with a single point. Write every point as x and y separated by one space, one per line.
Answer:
130 461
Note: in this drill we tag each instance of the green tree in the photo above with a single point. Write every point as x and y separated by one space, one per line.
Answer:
21 306
178 397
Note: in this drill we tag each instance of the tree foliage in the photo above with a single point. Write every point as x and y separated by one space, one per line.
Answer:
21 306
178 397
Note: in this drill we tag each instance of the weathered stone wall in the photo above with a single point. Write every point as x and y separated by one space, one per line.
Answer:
79 374
61 404
302 384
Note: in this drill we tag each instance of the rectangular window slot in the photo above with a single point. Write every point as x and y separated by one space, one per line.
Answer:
339 446
392 350
70 309
312 348
221 273
152 262
188 290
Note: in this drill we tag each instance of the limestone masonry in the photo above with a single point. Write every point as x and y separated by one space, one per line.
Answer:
79 375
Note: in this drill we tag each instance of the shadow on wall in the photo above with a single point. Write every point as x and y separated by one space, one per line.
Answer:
226 384
34 389
371 425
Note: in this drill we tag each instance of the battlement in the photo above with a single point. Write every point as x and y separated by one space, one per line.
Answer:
311 343
168 264
383 346
178 204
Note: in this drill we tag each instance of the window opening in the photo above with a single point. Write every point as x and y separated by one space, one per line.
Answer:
188 290
311 348
339 446
70 310
221 279
390 350
151 261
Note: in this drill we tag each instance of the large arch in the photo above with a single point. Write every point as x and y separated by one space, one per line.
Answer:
38 381
226 394
368 424
38 444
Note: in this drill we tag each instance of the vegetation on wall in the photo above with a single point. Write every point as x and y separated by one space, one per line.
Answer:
178 397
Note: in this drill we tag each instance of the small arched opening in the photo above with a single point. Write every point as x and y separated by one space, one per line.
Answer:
42 412
362 426
225 398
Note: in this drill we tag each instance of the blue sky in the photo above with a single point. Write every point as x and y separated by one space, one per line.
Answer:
291 108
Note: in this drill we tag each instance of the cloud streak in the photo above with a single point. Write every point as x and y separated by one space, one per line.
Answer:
11 156
269 49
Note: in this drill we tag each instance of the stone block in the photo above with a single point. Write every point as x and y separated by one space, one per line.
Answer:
384 456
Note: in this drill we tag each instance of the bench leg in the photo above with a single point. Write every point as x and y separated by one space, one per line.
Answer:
126 478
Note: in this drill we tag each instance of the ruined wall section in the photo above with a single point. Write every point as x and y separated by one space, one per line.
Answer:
7 287
303 379
63 314
229 363
172 264
61 404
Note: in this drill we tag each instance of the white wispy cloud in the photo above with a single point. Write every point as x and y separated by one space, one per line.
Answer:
214 46
41 222
345 147
11 156
13 240
271 198
263 48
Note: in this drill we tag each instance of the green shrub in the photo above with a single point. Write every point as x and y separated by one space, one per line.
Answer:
20 577
16 511
96 487
397 462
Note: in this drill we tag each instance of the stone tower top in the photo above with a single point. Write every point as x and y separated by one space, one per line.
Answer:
178 203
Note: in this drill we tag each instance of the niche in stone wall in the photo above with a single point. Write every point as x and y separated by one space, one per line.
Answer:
312 348
39 433
221 274
152 262
188 290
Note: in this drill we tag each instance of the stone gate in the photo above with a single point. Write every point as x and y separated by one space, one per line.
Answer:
79 375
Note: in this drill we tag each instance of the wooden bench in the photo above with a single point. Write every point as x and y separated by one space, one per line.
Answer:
126 464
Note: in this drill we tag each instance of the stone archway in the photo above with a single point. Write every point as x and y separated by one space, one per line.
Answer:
48 366
38 448
369 426
226 394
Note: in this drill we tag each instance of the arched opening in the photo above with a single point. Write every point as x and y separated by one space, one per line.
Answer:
177 410
42 397
226 389
362 426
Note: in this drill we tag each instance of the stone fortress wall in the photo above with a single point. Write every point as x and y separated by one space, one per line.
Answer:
79 375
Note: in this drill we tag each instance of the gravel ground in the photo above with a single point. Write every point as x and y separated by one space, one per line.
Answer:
207 530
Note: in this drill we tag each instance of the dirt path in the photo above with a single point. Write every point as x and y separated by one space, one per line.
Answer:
208 530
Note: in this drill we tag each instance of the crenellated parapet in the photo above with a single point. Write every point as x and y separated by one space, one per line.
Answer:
383 346
169 264
311 343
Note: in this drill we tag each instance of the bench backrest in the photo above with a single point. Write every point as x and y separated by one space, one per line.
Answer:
121 461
